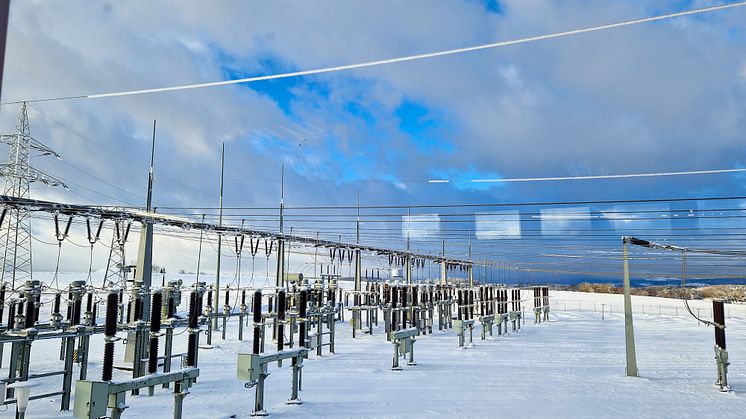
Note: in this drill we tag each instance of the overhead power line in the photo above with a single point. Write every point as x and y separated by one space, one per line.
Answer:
476 205
407 58
591 177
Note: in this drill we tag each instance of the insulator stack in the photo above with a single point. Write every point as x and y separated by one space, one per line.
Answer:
2 300
227 297
171 307
37 307
11 316
471 304
194 313
460 303
481 301
281 304
257 312
491 306
303 301
69 314
77 303
138 309
30 316
56 305
243 297
404 305
718 314
394 304
155 328
110 330
512 300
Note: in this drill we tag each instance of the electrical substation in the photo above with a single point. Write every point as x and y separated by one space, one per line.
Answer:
388 308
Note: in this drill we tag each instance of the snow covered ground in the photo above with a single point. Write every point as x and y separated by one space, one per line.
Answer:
572 366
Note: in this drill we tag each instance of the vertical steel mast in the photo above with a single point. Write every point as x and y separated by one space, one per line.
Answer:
144 270
220 235
280 280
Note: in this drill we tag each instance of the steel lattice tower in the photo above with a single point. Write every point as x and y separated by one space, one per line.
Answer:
15 236
116 266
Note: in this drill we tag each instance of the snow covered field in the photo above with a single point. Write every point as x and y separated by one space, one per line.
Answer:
572 366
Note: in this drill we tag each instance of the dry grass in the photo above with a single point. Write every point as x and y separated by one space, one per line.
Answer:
730 293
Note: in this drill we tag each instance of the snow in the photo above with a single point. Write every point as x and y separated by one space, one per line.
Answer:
571 366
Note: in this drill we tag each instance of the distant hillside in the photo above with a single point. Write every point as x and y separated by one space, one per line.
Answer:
730 293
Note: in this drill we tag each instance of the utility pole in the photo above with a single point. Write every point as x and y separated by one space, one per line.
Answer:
470 267
280 280
358 260
408 257
290 249
357 300
443 273
629 333
220 235
15 237
144 270
315 257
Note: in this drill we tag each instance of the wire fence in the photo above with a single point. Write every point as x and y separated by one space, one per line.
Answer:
702 308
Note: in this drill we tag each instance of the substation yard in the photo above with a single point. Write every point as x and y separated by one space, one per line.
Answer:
571 366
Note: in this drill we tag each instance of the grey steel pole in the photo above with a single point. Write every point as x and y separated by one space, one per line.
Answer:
356 316
297 365
629 332
443 273
220 236
144 270
469 268
408 267
280 279
179 395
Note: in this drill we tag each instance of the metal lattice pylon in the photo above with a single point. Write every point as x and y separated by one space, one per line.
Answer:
15 236
116 266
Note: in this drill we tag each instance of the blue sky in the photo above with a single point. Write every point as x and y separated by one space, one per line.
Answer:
668 96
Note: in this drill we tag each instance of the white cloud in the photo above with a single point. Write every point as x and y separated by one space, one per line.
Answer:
629 100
